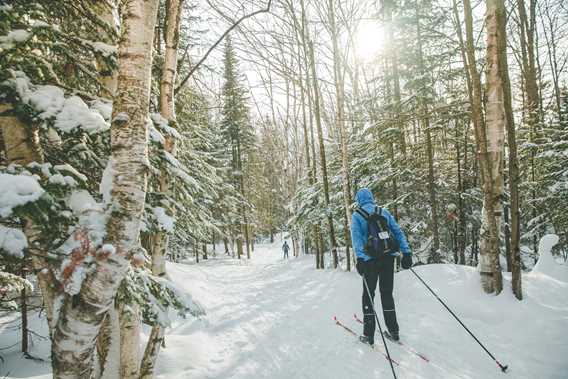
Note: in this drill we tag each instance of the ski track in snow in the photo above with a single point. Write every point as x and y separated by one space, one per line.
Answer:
272 318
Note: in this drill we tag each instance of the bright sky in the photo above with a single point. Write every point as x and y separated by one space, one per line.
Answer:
369 40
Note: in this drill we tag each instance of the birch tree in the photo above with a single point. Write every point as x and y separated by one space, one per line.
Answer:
492 151
167 109
80 319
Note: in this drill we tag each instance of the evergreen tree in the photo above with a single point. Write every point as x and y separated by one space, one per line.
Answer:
239 139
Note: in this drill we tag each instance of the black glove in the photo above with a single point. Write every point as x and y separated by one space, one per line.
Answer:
406 261
362 266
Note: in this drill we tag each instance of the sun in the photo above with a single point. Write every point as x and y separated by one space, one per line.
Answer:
369 40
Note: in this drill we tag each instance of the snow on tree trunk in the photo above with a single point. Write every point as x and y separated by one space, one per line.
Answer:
490 269
82 315
22 146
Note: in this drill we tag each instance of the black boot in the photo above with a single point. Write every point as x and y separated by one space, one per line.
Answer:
366 340
393 336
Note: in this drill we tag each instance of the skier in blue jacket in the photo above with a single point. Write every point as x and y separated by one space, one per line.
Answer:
379 269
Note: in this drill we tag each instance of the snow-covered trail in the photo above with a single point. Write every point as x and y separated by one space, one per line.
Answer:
267 318
272 318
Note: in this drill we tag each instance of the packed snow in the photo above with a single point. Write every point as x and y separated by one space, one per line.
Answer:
272 318
165 221
17 190
12 241
76 114
69 114
92 215
13 37
103 107
546 264
163 124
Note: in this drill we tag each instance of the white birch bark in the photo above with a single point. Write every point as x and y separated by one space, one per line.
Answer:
167 110
81 316
130 328
490 269
108 346
108 12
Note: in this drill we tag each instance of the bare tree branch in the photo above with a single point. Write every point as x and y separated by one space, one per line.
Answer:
194 68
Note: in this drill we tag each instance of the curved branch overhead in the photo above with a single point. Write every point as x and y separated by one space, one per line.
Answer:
221 38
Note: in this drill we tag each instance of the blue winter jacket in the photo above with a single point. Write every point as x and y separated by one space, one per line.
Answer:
359 233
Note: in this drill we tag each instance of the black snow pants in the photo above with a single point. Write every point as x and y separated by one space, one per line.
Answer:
382 271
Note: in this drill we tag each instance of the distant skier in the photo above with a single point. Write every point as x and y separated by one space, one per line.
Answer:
285 249
377 239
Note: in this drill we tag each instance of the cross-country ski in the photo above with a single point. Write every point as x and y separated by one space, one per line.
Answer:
399 342
353 333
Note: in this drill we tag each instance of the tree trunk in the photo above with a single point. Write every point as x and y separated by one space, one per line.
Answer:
167 110
489 157
226 244
323 162
24 314
247 237
148 365
130 328
108 12
22 147
515 251
204 247
196 250
340 121
108 344
160 239
435 256
491 154
316 229
108 79
531 96
461 229
81 317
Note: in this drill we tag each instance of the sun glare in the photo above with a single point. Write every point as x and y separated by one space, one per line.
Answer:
369 40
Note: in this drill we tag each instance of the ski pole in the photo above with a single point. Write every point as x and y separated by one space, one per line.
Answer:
379 324
502 367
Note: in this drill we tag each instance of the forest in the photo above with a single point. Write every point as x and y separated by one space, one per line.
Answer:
139 136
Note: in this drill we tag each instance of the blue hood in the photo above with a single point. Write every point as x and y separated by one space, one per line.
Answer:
364 196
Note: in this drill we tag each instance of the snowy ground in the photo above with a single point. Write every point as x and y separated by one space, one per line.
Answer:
272 318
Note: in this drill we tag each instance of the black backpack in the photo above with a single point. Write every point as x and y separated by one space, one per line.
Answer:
380 241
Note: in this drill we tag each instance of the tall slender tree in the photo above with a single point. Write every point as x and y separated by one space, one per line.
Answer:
239 137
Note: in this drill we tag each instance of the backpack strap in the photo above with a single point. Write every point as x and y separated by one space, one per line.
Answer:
363 213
